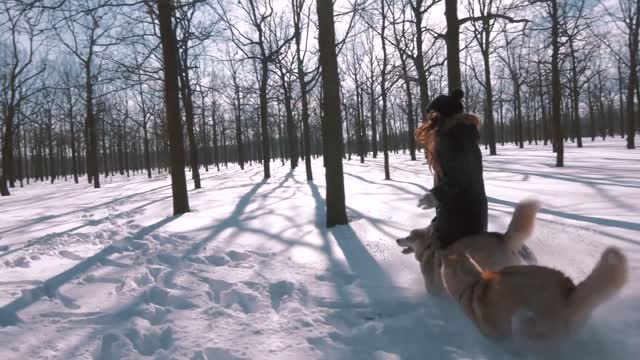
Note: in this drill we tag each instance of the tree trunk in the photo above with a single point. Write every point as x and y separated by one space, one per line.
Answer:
120 145
187 101
216 157
360 119
306 133
418 60
335 197
501 115
105 160
74 153
264 119
241 156
576 95
52 157
363 128
172 107
92 131
225 153
543 107
7 150
410 115
621 97
631 87
147 153
291 127
383 89
19 161
518 110
556 91
488 110
452 38
205 143
592 115
372 108
346 120
27 161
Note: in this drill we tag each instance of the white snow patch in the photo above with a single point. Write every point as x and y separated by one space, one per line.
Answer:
253 274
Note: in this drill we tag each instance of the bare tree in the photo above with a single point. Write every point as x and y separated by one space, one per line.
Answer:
286 76
483 33
631 20
556 86
172 105
19 80
576 25
452 38
300 25
331 117
192 34
87 26
419 9
513 59
264 48
69 78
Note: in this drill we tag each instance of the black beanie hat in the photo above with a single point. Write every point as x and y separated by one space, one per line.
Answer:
448 105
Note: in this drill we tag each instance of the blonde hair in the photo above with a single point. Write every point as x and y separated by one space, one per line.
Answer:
426 136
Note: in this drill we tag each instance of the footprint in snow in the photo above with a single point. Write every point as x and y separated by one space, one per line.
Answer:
247 302
70 255
217 287
285 291
154 314
148 341
21 262
238 255
239 259
169 259
217 260
216 354
162 297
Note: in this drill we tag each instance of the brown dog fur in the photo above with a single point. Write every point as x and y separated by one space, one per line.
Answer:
492 250
532 303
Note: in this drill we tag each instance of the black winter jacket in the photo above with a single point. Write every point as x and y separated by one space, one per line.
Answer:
462 208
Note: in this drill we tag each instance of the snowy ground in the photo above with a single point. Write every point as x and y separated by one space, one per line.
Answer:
252 274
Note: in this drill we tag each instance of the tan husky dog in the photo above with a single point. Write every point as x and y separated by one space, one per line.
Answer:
530 303
492 251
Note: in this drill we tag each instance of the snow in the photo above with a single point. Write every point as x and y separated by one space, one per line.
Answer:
251 272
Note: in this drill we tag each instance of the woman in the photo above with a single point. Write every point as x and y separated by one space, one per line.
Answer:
450 140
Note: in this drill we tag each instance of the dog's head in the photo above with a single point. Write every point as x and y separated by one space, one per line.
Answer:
409 242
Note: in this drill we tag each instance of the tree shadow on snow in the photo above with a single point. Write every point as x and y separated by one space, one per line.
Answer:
88 222
9 312
234 220
582 218
390 320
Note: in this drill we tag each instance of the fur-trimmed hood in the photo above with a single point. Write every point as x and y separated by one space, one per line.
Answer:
462 118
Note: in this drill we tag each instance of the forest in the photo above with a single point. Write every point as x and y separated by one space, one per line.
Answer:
95 88
319 179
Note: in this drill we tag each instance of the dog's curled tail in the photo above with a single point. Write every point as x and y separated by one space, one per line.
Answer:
606 280
522 223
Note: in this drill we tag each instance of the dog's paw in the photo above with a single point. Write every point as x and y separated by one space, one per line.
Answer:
428 201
